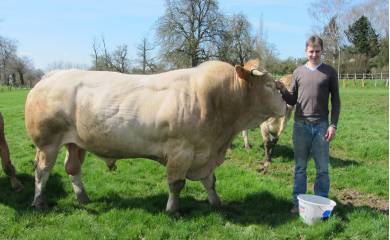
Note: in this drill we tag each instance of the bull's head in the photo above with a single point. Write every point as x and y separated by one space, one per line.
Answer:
262 89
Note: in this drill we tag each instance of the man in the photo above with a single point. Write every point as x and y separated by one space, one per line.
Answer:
311 85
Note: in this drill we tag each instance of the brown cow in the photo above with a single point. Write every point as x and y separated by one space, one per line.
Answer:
272 129
8 168
184 119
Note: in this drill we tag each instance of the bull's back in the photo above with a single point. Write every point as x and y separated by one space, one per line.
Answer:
110 114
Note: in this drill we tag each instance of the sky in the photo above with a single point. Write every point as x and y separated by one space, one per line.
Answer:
51 31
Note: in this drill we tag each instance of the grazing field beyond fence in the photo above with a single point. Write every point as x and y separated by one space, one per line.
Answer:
130 203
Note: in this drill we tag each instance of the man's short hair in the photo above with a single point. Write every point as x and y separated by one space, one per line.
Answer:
315 41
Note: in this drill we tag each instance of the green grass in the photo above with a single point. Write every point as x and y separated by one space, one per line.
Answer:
130 202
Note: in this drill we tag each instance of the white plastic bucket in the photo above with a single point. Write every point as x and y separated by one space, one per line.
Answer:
312 208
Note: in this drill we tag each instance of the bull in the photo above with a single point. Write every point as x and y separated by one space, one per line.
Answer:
184 119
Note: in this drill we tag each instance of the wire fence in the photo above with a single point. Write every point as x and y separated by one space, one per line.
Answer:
366 76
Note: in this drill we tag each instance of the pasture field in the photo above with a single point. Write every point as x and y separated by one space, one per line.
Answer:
130 203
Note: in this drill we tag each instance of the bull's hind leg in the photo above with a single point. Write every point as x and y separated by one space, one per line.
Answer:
269 146
74 159
246 141
43 163
209 185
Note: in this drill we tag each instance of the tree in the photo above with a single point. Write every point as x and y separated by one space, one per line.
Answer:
237 44
287 66
377 12
144 53
103 60
33 77
332 38
96 48
363 37
120 60
266 52
8 49
330 19
187 29
323 11
65 65
382 61
21 66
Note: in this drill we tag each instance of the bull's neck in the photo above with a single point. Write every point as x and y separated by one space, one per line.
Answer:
233 107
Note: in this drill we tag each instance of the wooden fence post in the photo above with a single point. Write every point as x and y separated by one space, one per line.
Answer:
345 84
363 84
354 83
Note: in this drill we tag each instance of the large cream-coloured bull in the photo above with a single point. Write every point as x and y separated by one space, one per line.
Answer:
184 119
5 156
272 128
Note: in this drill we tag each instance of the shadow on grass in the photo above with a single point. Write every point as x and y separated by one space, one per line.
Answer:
340 163
285 152
344 211
258 208
21 201
261 208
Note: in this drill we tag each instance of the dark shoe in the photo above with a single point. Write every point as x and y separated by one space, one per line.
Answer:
295 209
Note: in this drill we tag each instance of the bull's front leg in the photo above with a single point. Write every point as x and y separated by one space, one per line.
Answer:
175 187
209 185
180 157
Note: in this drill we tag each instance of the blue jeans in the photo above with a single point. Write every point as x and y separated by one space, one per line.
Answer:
311 138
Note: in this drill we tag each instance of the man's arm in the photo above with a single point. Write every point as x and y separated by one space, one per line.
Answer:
289 98
335 102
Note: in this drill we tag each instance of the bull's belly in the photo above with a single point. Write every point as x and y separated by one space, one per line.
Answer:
119 146
137 146
153 151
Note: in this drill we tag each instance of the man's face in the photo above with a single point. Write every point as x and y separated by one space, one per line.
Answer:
313 53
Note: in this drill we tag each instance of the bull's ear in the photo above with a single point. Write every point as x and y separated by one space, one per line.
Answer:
242 72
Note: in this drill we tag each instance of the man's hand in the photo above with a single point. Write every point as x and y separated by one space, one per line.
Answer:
330 133
280 85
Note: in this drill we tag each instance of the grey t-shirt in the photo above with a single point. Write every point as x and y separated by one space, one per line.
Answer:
310 91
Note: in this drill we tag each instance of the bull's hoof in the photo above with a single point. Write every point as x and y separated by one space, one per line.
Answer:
219 205
112 168
17 186
83 198
40 204
175 215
